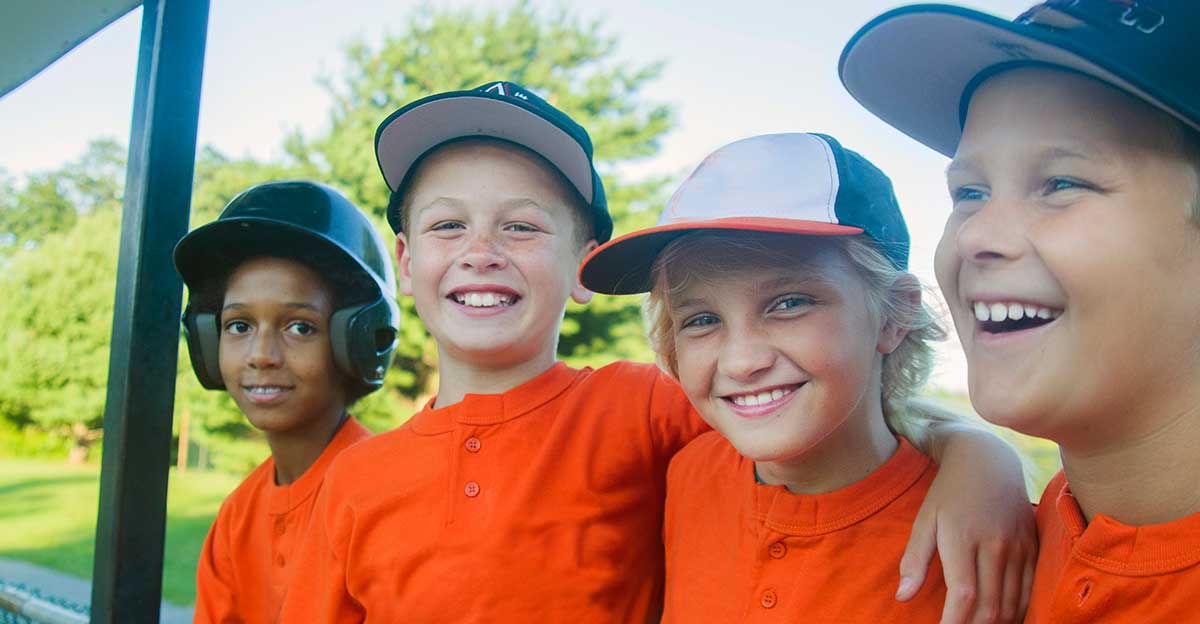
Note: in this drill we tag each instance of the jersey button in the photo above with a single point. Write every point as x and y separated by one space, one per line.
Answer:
777 550
1085 590
280 526
279 561
472 489
769 599
473 444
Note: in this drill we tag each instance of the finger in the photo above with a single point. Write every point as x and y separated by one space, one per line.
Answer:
958 564
1013 573
1027 585
989 582
918 553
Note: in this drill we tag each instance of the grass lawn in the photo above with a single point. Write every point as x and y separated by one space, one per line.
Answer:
48 517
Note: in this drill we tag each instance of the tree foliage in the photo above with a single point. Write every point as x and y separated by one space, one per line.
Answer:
53 201
59 230
568 61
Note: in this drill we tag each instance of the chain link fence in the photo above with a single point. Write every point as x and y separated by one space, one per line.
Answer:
20 604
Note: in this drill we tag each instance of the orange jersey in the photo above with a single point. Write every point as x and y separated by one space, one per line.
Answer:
741 551
540 504
1105 571
247 559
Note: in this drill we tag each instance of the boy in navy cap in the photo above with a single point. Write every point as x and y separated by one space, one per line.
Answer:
1070 263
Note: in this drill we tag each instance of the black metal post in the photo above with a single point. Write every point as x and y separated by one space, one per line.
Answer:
127 571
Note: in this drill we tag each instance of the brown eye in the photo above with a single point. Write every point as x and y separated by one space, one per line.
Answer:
237 327
301 328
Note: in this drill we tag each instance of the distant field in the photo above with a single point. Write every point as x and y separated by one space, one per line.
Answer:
48 517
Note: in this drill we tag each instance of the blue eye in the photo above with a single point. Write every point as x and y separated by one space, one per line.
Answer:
704 319
968 194
1058 183
447 225
792 302
522 227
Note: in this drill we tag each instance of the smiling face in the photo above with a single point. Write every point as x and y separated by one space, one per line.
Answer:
489 254
1068 263
275 354
783 356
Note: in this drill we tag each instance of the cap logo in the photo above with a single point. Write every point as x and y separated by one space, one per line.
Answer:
501 88
1058 14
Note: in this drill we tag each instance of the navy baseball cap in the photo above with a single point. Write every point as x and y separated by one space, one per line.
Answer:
499 110
917 66
793 183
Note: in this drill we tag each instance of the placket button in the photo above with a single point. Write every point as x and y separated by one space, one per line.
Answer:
777 550
1085 590
472 489
280 526
279 560
473 444
769 599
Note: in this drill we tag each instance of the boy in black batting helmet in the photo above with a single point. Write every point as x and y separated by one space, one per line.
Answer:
1070 264
291 311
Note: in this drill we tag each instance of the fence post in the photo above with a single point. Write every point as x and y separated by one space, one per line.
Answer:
127 571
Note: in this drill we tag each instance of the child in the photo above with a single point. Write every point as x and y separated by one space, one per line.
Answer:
779 300
1069 263
292 311
526 491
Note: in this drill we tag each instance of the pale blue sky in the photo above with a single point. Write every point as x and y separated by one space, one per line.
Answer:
734 69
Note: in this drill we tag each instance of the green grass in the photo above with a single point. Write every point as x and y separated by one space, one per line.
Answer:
48 517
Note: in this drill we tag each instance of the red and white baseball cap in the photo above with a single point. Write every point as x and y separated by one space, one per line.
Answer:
794 183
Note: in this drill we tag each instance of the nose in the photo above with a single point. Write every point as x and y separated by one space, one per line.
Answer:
995 232
265 351
483 253
745 353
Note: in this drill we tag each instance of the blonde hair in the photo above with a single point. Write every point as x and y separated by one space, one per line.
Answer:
889 294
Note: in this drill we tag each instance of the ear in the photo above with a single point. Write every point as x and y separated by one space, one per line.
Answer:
403 265
579 294
892 333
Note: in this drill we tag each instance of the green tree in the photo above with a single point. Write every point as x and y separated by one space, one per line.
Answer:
57 317
52 201
563 58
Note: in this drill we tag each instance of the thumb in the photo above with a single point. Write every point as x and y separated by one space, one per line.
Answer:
918 553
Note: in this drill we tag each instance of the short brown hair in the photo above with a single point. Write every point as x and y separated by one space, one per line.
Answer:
581 213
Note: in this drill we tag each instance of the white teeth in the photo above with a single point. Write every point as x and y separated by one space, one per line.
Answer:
1000 312
762 398
264 389
483 300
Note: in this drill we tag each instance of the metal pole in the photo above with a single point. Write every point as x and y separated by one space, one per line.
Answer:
127 571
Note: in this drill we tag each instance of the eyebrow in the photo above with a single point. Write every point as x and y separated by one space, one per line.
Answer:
296 305
814 278
1047 156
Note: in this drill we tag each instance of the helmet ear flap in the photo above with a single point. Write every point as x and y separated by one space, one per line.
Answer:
363 338
203 335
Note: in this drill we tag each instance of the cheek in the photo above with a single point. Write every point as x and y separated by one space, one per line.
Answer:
229 358
945 259
695 369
